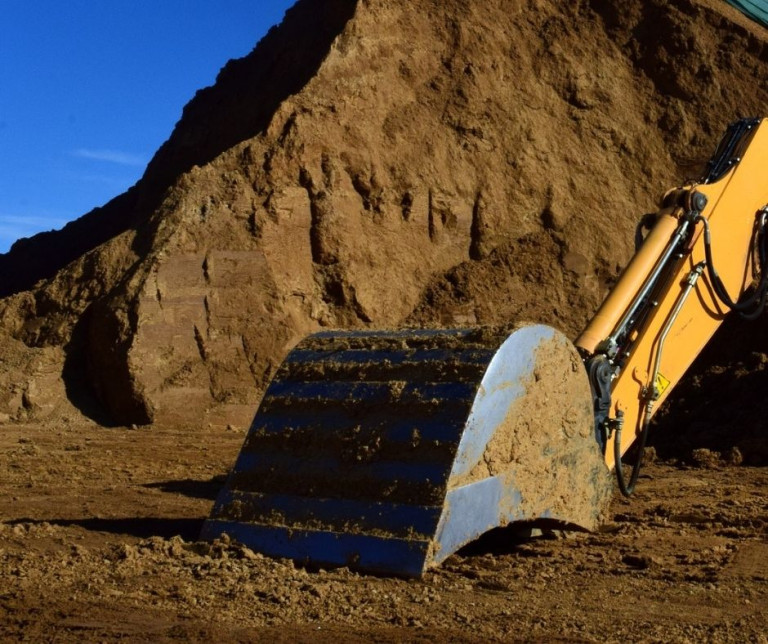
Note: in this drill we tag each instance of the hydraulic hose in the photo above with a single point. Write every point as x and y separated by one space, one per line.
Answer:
628 488
651 392
751 307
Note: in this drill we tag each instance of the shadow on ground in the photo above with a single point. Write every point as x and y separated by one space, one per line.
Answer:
191 487
142 528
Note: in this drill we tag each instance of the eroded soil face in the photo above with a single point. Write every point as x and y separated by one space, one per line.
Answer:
98 542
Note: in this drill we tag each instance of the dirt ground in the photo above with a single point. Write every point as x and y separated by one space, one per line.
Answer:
98 543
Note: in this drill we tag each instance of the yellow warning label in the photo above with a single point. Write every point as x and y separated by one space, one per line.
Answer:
661 384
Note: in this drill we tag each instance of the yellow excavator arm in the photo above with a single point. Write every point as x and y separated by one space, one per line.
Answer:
704 256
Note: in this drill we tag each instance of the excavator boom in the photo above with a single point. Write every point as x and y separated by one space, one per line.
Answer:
387 451
704 256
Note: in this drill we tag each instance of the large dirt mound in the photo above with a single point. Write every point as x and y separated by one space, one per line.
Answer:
370 164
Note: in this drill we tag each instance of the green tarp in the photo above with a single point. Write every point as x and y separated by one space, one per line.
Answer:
755 9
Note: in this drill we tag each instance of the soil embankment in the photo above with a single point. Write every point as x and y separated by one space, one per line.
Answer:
368 165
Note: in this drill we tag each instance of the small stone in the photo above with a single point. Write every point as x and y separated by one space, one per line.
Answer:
706 458
176 548
734 456
641 562
79 551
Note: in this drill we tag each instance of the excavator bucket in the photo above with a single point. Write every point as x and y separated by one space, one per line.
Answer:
387 451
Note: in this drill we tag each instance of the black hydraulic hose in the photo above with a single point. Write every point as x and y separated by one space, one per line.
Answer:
651 393
628 488
645 223
758 310
751 307
728 150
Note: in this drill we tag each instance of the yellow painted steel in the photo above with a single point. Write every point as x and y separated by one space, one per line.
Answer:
628 285
733 204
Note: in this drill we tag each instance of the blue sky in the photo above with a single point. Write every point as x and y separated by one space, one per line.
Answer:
89 89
